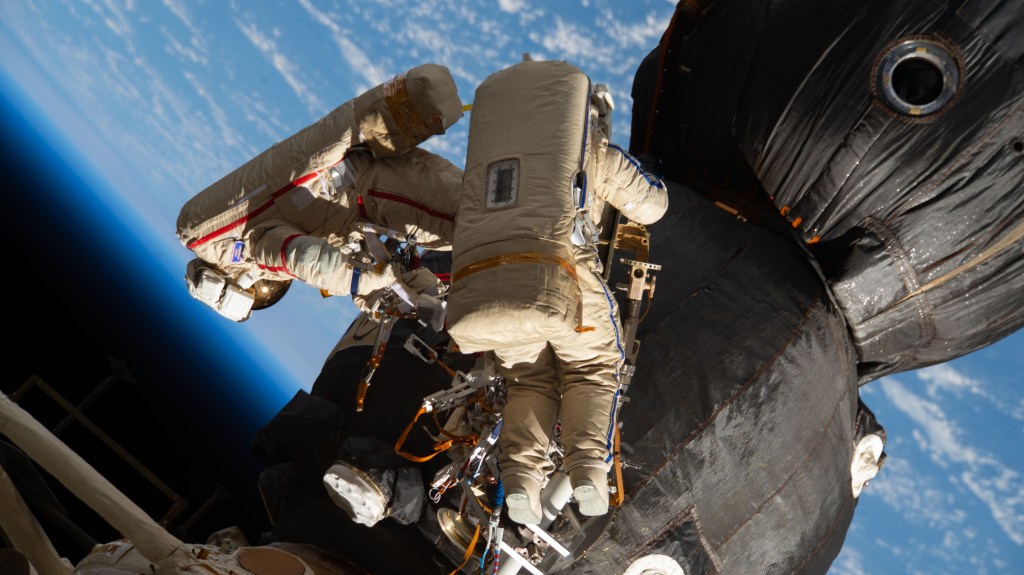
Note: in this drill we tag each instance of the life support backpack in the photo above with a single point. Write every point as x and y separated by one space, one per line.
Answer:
514 280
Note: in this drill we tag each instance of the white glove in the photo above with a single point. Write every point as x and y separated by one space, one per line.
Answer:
411 284
422 281
371 285
602 101
371 281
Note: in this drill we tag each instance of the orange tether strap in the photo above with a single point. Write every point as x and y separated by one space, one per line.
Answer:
470 439
520 258
469 550
405 434
620 492
439 447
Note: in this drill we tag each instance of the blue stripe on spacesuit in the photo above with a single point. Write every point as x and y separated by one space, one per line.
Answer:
622 358
583 195
355 280
657 183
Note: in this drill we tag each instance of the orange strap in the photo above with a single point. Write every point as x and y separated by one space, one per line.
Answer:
405 434
469 550
620 492
439 447
519 258
470 439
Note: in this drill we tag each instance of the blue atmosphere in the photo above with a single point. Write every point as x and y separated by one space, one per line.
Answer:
97 232
134 107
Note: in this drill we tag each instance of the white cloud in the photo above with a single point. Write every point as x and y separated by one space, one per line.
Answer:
285 67
940 434
522 9
643 34
915 496
944 378
113 17
994 483
181 13
175 46
195 49
228 136
849 562
357 59
586 47
1004 496
512 6
571 41
259 115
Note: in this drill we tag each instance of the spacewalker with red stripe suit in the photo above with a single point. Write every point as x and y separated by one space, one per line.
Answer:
300 209
539 170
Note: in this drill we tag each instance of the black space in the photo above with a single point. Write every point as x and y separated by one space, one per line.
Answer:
65 323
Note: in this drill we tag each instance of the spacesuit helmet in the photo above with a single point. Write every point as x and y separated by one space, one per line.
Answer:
268 292
233 295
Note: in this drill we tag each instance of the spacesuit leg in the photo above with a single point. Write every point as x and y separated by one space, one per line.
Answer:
528 421
588 363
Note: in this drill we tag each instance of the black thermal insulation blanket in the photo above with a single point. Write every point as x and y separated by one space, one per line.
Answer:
315 429
889 134
740 423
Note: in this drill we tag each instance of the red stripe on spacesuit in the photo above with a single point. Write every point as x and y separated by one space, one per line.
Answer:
403 200
362 207
284 255
277 269
262 208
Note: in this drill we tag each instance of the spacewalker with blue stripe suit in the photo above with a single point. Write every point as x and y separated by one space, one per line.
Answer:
545 295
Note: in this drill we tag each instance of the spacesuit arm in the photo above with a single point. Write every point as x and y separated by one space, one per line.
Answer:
640 196
283 249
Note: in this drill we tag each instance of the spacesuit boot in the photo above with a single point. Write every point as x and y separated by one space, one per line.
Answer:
522 499
590 489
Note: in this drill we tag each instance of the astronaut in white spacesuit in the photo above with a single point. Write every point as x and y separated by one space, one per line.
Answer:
575 379
414 195
300 209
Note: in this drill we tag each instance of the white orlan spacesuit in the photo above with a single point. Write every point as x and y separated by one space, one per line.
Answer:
295 211
577 373
572 375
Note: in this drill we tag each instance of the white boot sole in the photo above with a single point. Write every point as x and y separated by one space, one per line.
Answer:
591 501
521 509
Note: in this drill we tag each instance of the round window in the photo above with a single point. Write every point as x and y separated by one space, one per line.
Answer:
917 78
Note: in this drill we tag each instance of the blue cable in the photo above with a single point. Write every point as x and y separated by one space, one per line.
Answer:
499 496
499 501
